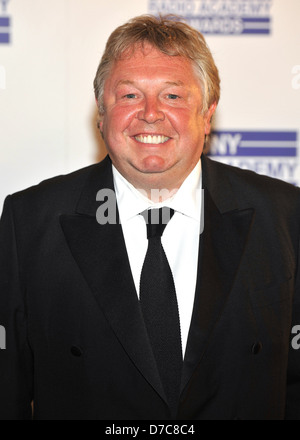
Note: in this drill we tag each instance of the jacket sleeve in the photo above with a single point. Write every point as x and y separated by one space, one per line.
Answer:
16 360
293 379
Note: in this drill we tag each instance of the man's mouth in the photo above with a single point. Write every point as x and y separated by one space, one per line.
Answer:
151 139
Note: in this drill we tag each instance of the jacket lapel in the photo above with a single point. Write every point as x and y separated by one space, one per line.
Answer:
100 253
222 245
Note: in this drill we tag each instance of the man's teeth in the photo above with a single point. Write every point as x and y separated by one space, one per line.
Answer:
148 139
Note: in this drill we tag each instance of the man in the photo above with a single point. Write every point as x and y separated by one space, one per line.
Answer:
136 317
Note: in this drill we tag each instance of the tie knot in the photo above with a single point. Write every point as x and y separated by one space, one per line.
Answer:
157 220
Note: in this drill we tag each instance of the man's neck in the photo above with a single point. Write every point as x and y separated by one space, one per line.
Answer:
158 187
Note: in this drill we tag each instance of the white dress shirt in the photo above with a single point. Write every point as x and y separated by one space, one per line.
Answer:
180 239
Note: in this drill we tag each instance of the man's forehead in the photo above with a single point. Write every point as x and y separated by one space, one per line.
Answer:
166 71
153 60
143 48
148 65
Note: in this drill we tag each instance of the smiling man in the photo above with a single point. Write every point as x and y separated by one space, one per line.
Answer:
153 123
151 317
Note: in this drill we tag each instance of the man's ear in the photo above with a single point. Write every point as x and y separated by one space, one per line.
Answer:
100 118
208 117
100 124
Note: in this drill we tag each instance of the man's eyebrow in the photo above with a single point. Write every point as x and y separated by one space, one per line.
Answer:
123 82
174 83
128 82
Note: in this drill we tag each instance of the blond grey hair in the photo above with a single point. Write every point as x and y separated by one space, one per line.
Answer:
172 37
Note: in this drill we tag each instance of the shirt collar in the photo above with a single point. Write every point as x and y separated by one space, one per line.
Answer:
187 199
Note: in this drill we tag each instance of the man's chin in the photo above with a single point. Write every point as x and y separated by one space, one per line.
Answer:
153 165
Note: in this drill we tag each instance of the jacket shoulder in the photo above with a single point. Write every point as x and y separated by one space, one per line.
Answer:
57 194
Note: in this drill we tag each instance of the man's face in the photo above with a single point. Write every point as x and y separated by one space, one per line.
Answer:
153 124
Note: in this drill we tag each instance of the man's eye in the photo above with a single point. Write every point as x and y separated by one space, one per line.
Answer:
130 96
172 96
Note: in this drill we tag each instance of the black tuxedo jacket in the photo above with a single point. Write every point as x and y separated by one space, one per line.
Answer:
76 343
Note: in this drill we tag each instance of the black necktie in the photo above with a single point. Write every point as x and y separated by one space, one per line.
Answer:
159 306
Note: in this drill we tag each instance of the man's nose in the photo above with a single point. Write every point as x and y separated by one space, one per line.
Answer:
151 111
